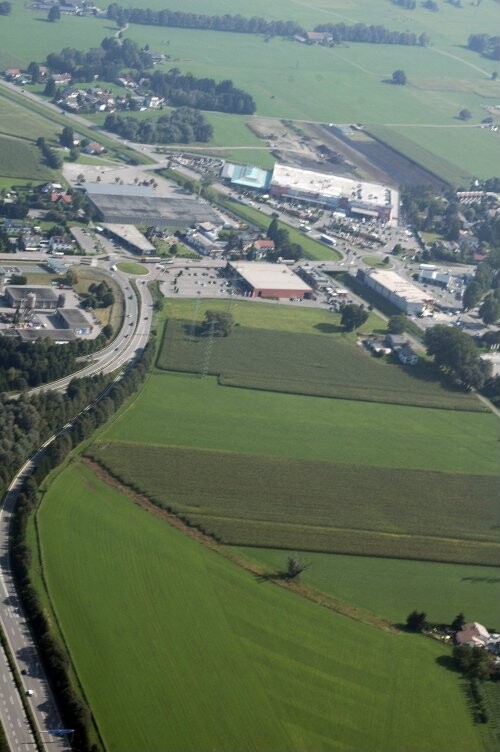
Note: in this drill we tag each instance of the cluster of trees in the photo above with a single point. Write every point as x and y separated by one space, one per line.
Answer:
99 296
457 355
217 324
485 45
29 364
75 712
51 157
183 126
185 20
360 32
104 62
282 244
203 93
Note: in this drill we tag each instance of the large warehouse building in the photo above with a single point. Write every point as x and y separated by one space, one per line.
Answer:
263 280
140 205
353 197
399 291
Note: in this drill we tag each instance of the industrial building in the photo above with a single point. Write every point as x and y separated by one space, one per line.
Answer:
74 320
130 237
246 176
403 294
314 277
58 336
18 296
354 197
141 205
262 280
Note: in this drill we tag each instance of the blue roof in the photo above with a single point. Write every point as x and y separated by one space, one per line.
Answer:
249 176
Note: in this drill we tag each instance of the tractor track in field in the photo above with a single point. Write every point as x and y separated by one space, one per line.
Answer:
259 572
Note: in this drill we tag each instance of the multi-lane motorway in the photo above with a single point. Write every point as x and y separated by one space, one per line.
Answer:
35 688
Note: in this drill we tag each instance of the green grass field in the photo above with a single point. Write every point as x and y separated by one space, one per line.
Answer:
189 652
256 500
183 410
129 267
331 365
21 160
393 588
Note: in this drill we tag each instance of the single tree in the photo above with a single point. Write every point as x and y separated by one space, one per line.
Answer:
465 114
54 14
294 567
490 310
472 295
416 621
397 324
458 622
353 316
399 77
67 137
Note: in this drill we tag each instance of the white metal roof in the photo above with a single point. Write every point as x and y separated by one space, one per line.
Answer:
400 286
262 276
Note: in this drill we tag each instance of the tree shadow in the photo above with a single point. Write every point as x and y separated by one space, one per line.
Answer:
447 661
274 576
329 328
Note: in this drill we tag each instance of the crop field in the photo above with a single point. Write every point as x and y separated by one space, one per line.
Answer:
444 515
187 633
393 588
182 410
17 122
304 364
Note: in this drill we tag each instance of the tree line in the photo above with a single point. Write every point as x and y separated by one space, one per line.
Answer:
360 32
185 20
104 62
183 125
74 711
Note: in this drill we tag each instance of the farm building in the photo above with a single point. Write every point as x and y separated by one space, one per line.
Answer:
74 320
263 280
130 237
403 294
31 297
140 205
246 176
335 192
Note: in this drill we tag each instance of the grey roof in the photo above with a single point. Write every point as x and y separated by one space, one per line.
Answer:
20 292
114 189
74 318
61 335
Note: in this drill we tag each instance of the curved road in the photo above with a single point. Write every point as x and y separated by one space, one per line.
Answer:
133 335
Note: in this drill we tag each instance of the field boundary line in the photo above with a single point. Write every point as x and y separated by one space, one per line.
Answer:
304 591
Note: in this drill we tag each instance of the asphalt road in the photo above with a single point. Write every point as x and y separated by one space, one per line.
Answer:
133 335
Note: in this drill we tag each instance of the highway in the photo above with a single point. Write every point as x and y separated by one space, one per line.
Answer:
133 336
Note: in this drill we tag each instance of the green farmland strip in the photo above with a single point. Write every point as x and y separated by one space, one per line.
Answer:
182 410
305 364
188 652
318 505
393 588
